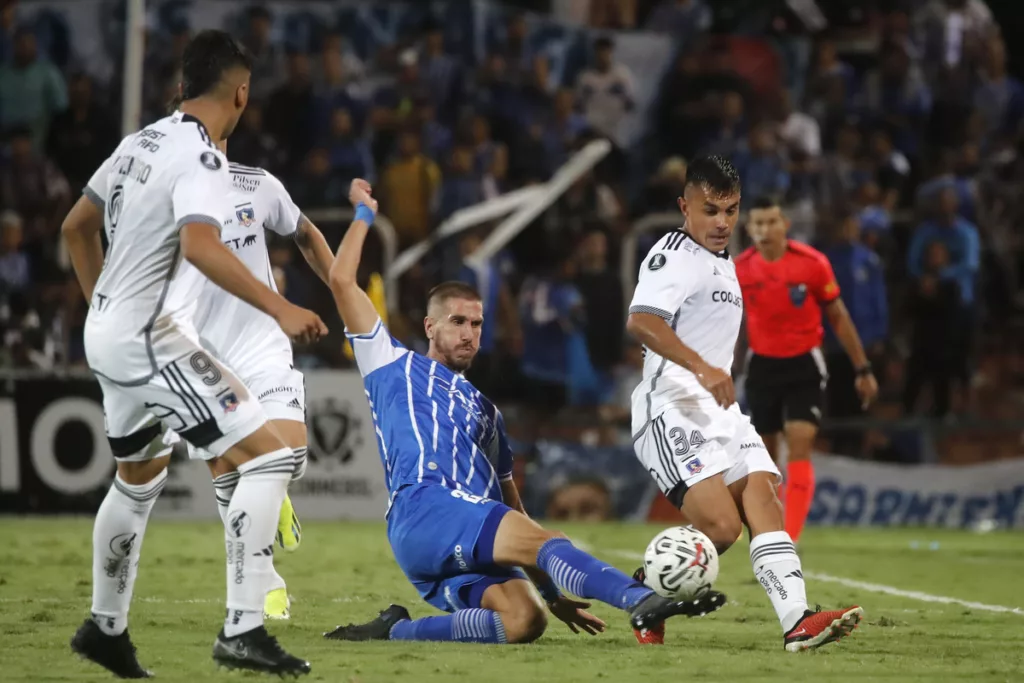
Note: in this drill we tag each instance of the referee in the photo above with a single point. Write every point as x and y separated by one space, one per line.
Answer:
786 284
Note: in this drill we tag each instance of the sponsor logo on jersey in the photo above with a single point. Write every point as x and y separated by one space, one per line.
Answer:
695 466
798 294
751 444
229 402
657 262
245 215
210 161
275 390
726 297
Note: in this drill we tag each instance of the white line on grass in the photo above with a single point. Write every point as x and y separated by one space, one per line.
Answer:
873 588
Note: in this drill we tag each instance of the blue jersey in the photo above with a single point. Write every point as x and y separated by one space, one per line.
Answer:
432 425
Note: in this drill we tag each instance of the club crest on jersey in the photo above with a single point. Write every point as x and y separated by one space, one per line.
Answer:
245 215
229 402
210 161
798 294
657 262
694 466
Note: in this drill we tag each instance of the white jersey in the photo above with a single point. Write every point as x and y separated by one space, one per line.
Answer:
241 336
697 292
156 181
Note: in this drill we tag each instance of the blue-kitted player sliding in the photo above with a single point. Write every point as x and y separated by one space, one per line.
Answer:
455 520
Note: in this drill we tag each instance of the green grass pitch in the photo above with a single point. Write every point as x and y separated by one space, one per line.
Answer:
345 572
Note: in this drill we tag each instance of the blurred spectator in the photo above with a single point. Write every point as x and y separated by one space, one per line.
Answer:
316 186
615 14
682 110
551 310
437 137
461 187
665 187
350 155
442 74
562 129
339 66
32 90
897 95
843 172
497 97
730 130
606 92
490 158
336 88
828 75
798 131
8 27
951 31
587 203
514 51
409 87
15 272
999 98
253 145
528 158
861 278
268 70
960 237
34 187
289 114
686 20
604 310
875 220
409 190
761 165
82 137
891 168
933 307
500 315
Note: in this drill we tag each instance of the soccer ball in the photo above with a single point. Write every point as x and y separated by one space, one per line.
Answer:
681 563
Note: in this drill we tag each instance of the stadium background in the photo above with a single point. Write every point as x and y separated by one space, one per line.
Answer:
875 110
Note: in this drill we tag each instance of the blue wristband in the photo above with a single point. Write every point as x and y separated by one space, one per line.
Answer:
364 213
549 591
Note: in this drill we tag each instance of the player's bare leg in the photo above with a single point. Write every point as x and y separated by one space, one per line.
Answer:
118 532
800 437
265 466
521 542
778 569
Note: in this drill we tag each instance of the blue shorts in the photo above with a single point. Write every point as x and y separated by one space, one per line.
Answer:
444 542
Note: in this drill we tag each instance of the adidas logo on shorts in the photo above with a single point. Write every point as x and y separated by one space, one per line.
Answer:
294 403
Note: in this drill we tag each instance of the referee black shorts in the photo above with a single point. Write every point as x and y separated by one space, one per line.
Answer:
781 390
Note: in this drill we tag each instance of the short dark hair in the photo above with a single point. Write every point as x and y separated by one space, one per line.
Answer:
713 173
208 56
604 43
452 289
767 201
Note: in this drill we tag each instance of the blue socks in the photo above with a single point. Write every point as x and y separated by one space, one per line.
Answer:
587 577
464 626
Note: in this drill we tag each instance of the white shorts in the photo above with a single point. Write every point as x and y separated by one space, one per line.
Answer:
280 390
195 396
681 448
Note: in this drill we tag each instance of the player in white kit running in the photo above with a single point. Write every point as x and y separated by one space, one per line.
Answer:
688 431
250 343
160 199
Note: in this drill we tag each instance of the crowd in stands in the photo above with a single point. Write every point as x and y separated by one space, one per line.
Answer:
898 162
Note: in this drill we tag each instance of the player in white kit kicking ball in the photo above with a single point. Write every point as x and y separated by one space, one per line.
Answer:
250 343
160 199
688 431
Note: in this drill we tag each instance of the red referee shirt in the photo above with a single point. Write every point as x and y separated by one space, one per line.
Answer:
783 299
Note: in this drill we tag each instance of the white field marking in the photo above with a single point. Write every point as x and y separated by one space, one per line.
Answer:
873 588
160 601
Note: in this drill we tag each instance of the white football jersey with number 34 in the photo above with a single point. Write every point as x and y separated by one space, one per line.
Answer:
697 293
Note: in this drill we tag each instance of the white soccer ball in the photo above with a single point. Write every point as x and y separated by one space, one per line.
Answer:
681 563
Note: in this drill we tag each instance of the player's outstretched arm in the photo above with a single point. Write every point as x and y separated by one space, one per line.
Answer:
314 248
81 233
657 335
354 306
846 332
201 246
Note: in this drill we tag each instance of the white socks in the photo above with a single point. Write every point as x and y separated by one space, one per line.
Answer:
224 486
777 567
250 528
117 535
